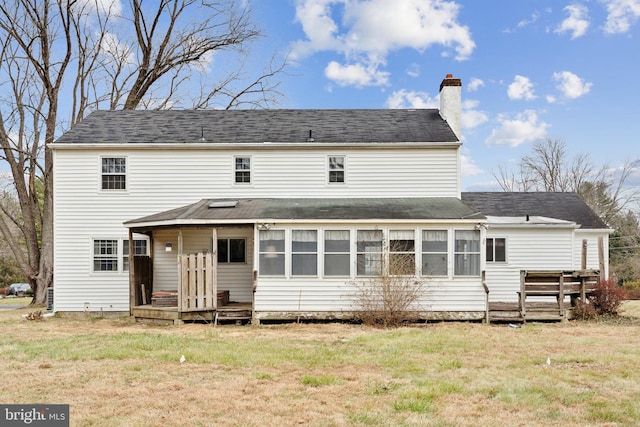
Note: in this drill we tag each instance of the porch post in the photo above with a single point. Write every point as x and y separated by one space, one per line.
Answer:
132 277
214 267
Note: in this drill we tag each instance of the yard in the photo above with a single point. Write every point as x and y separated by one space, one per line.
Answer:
114 373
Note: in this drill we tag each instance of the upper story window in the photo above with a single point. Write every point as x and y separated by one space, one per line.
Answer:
114 173
242 169
336 169
496 249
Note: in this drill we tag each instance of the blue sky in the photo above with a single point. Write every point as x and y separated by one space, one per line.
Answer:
530 69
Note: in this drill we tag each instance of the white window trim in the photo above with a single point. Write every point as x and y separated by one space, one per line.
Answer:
120 253
328 170
126 175
506 250
234 170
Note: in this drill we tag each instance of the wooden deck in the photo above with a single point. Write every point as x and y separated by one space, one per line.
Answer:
232 312
535 311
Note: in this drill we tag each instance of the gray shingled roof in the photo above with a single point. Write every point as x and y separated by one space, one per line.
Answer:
258 126
314 209
566 206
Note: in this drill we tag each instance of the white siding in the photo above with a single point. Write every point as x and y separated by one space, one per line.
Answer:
527 249
158 180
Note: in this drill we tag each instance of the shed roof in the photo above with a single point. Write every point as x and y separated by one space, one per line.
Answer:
208 211
355 126
564 206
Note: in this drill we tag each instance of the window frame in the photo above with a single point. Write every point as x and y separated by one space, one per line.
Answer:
237 170
228 259
492 251
476 254
396 251
106 174
126 261
336 253
303 253
98 258
336 171
274 253
424 252
366 263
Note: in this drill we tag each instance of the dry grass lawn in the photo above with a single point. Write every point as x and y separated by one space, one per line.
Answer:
114 373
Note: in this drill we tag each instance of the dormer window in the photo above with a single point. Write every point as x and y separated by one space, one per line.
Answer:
242 169
336 169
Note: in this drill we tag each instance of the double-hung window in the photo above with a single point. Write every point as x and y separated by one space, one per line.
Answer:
139 249
402 255
242 169
271 255
337 254
496 249
467 253
114 173
304 253
336 169
435 252
369 252
105 255
232 251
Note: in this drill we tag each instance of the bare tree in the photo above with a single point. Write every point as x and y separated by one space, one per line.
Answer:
549 168
60 59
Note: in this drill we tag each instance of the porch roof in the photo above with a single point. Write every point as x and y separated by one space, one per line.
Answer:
209 211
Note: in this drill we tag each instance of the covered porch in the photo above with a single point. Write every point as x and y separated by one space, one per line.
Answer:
200 271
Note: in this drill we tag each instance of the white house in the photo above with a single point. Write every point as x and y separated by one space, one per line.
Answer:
280 211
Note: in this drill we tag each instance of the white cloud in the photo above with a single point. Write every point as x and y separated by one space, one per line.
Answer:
576 23
571 85
358 75
113 7
472 117
414 71
521 88
469 166
622 14
412 99
474 84
369 29
517 130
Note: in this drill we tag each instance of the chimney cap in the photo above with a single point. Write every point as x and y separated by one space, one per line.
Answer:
450 81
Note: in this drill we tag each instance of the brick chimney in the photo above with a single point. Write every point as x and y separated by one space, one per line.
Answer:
451 103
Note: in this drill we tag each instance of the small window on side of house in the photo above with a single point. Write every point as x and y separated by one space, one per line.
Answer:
336 169
139 248
232 251
496 249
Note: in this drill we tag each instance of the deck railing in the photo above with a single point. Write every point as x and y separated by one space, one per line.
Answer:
197 282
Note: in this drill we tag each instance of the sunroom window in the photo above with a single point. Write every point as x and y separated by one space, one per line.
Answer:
337 254
304 253
272 252
402 256
435 252
369 252
467 253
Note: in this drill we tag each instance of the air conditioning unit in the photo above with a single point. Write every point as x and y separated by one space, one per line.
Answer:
49 299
